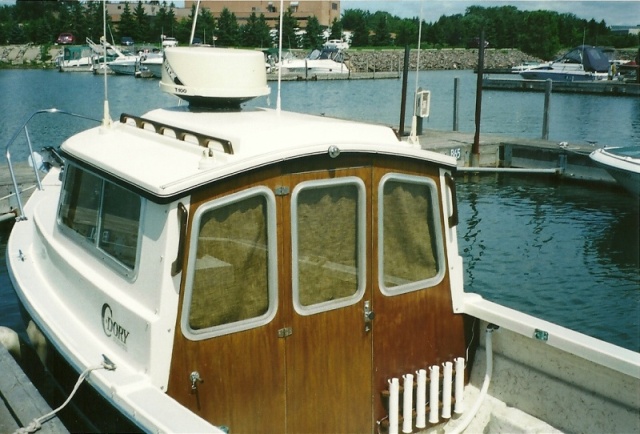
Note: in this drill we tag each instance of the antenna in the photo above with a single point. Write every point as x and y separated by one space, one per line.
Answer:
278 99
106 120
413 137
195 20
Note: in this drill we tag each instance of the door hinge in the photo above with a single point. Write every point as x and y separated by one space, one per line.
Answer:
285 332
282 190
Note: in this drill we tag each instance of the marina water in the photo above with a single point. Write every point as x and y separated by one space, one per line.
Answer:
566 252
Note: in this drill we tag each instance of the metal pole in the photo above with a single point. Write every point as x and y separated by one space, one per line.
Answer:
475 151
417 111
456 102
547 102
403 102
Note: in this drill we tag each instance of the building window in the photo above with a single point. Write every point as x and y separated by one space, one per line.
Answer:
334 6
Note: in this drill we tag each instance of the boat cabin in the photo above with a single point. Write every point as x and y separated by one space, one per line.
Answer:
267 271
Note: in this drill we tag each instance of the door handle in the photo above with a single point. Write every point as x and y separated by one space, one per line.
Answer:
369 315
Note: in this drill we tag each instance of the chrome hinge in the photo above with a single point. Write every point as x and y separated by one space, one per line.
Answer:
282 190
285 332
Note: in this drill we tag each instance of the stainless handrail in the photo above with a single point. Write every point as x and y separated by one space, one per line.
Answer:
35 169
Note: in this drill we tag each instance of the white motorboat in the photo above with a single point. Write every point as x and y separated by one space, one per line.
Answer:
125 64
325 61
76 58
623 164
209 268
152 62
525 66
120 62
583 63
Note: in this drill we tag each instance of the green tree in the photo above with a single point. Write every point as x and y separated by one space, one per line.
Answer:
356 21
142 31
313 37
541 23
255 33
94 22
228 33
289 26
127 26
407 33
205 26
78 22
382 36
336 29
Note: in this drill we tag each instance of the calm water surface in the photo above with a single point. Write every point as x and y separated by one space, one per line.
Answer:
565 252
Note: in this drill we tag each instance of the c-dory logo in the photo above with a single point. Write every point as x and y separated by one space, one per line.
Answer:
111 328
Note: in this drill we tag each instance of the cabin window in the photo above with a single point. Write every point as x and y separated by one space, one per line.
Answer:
328 244
103 214
232 279
411 251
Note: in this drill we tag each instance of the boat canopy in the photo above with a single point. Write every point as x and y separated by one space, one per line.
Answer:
592 58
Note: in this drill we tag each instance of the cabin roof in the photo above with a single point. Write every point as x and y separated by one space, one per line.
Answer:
153 160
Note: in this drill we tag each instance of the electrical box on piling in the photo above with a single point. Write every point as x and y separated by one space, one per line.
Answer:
424 102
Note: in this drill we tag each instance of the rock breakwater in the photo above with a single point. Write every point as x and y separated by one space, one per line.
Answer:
28 55
390 60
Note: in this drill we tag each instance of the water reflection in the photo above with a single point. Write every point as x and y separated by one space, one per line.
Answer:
563 252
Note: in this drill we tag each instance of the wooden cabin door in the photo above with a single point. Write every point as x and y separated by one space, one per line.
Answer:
415 326
299 360
228 361
328 343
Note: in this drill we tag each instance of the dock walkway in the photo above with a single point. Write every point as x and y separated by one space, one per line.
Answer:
20 401
499 153
599 87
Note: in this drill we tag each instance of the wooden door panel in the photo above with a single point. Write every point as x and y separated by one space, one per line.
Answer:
328 355
242 373
416 329
242 380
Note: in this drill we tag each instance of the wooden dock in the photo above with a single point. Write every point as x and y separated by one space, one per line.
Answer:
499 153
336 76
599 87
20 401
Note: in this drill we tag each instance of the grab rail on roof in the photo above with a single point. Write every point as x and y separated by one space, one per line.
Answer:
179 133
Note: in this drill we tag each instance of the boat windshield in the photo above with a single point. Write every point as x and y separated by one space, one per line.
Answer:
103 214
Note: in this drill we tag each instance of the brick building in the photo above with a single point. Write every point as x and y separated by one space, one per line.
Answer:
324 10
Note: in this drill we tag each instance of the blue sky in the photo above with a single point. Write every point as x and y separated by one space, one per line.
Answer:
614 12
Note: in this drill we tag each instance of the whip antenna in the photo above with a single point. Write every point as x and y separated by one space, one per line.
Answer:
413 137
195 20
278 100
106 120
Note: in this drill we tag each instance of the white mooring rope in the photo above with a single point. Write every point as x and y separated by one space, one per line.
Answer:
36 424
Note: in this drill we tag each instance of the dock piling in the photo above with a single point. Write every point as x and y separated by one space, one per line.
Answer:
547 101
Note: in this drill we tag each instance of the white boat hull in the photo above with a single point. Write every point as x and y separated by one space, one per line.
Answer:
623 164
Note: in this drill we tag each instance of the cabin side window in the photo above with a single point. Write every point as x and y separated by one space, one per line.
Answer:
232 279
411 250
328 244
103 214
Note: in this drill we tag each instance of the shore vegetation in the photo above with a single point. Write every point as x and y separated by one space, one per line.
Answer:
40 23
